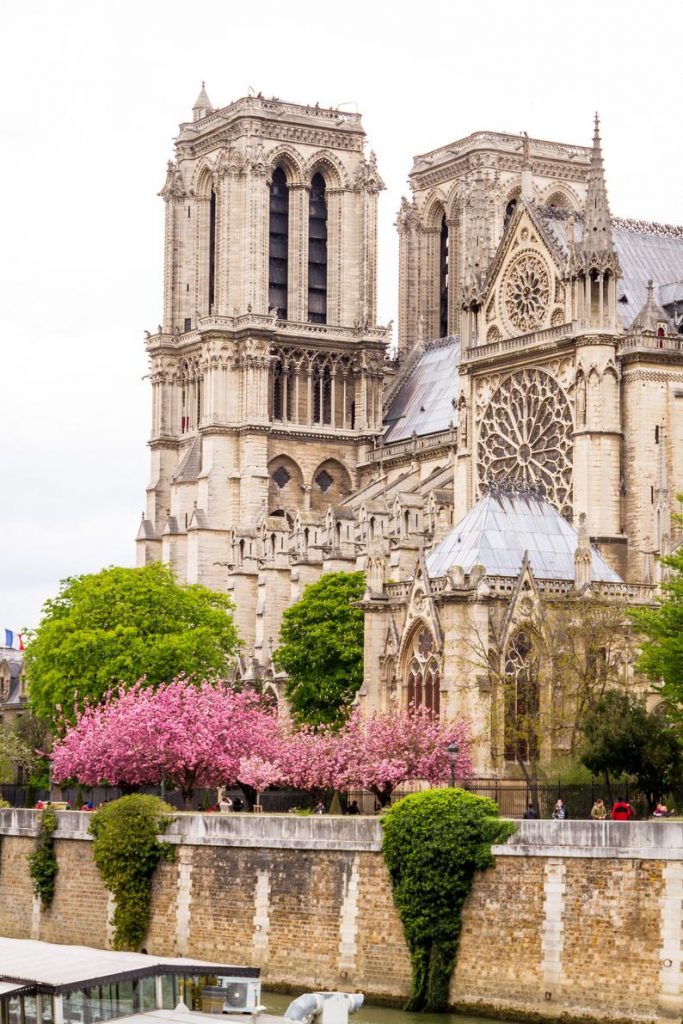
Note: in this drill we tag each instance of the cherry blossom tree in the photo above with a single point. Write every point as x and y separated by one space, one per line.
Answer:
383 750
189 735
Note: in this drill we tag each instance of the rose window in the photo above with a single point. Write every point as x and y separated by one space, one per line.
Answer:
526 292
525 438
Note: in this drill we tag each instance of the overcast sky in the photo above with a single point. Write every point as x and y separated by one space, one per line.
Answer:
92 94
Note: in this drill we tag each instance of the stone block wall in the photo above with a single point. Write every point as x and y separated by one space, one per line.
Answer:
581 919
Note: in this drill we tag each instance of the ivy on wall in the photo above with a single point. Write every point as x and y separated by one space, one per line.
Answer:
42 863
126 850
433 842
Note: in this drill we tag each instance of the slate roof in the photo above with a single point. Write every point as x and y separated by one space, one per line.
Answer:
645 251
190 463
424 401
498 531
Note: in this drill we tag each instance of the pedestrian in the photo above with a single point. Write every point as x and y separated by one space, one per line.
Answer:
320 808
660 811
353 808
621 810
598 810
560 810
531 814
225 804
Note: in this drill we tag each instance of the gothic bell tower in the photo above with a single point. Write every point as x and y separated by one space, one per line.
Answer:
267 368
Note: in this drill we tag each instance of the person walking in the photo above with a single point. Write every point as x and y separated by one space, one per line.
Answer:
621 810
530 814
598 810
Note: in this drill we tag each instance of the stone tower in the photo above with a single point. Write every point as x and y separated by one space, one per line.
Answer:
267 369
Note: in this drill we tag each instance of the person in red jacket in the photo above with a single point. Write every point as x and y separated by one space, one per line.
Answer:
621 810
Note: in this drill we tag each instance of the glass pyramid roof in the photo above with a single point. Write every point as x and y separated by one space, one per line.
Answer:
498 531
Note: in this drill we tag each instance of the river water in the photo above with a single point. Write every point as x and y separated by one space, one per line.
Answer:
275 1002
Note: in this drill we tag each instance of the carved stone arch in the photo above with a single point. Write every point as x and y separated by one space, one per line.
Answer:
329 166
419 664
562 196
434 210
285 483
330 484
453 202
513 190
203 180
289 160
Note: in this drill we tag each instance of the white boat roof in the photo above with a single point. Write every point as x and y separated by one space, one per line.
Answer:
66 967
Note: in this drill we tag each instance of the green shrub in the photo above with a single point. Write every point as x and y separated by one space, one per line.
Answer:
42 863
4 804
126 851
433 842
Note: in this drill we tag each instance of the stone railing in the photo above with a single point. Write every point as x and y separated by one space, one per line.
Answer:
411 445
651 343
656 839
538 148
263 322
535 339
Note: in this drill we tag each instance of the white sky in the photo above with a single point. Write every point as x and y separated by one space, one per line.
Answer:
91 97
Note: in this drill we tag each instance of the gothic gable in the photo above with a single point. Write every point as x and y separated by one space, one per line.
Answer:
524 291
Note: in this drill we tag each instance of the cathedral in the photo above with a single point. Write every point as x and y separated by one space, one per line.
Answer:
518 450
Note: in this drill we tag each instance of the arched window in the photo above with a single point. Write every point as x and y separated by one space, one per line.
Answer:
316 378
509 210
521 700
443 279
423 682
212 250
317 252
278 243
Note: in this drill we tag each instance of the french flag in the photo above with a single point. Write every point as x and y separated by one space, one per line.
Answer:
14 640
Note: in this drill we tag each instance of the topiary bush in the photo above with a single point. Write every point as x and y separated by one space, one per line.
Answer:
433 842
42 863
126 850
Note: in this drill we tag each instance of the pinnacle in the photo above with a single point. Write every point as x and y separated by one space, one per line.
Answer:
597 235
202 103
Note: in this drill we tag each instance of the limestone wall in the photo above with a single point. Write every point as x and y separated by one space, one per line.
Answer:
576 918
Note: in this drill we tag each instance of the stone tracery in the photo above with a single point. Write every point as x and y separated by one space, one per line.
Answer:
526 437
526 292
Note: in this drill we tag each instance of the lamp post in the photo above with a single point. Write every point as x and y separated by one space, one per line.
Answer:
453 750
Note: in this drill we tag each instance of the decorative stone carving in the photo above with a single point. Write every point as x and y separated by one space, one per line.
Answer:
526 437
526 292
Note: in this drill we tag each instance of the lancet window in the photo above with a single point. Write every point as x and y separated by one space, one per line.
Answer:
317 252
313 389
521 700
212 250
443 278
423 681
278 244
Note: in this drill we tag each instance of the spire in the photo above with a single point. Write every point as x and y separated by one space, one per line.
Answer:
583 557
527 191
597 229
202 105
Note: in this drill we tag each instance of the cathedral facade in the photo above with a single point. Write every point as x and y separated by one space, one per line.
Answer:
534 404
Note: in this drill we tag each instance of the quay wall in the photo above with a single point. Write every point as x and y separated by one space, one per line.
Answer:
577 920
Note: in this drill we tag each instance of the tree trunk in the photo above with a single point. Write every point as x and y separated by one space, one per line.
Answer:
250 795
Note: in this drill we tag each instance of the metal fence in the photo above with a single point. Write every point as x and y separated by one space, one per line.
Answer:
512 798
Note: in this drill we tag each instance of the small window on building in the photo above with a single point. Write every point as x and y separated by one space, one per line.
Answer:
188 324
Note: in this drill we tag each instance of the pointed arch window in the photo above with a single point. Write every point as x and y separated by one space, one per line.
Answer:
509 210
278 247
443 278
212 250
521 700
423 681
317 252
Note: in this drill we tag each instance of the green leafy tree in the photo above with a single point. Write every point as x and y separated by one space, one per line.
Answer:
321 649
433 843
16 755
118 625
661 655
621 738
